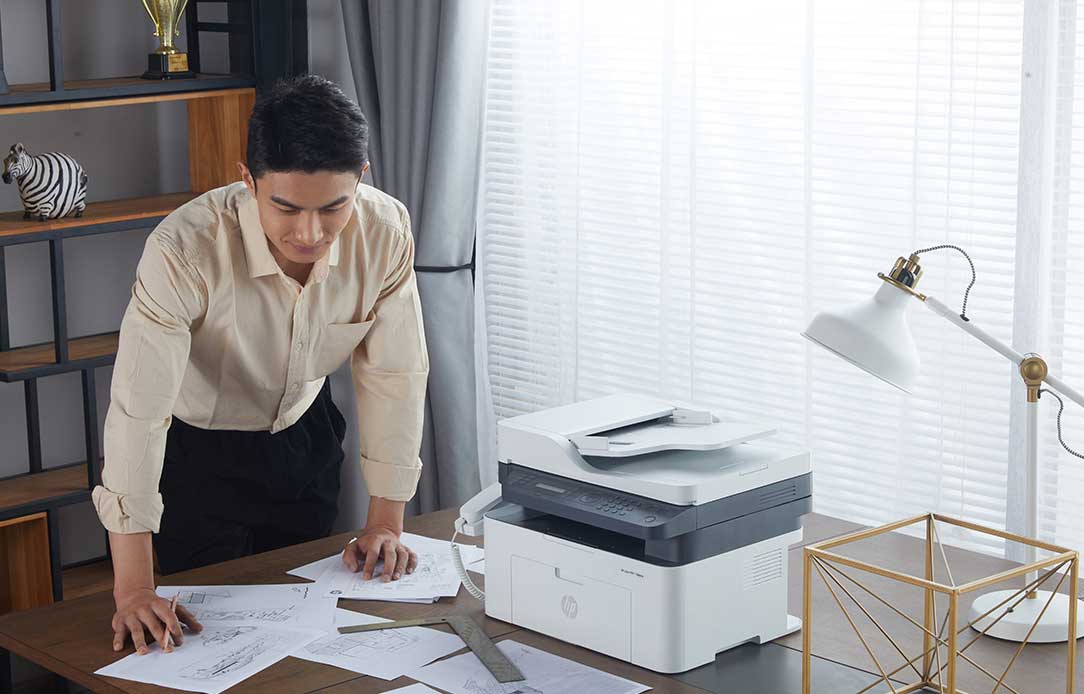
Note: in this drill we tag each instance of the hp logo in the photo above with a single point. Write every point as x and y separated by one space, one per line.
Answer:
570 607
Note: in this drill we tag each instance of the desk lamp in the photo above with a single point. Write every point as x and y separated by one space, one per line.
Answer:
874 336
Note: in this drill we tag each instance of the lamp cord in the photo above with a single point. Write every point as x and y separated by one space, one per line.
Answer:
1061 408
967 292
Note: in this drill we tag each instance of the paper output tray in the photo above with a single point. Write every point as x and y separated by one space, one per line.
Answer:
661 435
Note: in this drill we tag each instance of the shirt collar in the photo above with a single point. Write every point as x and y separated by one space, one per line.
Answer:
257 251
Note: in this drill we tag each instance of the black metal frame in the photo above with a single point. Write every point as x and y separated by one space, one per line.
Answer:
195 84
57 368
63 362
5 333
33 424
60 303
56 59
90 427
5 672
32 235
38 505
58 92
268 40
52 517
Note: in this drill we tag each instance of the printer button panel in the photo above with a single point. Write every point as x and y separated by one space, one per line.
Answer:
599 501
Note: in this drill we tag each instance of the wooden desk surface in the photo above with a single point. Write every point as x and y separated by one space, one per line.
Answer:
72 638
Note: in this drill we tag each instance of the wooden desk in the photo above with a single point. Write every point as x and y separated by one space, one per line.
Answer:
73 640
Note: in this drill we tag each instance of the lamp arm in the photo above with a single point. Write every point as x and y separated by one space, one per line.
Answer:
998 346
935 305
1060 386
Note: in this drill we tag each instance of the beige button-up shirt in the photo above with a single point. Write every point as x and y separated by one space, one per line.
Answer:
217 335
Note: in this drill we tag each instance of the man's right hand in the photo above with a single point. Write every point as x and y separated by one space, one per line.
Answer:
142 614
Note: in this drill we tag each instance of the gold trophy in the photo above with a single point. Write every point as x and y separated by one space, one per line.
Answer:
166 62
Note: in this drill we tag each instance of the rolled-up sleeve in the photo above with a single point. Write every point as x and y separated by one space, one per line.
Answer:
155 338
390 370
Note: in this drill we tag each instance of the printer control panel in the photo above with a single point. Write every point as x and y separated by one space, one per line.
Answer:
544 492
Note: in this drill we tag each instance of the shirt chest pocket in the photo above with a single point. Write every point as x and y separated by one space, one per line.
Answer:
336 343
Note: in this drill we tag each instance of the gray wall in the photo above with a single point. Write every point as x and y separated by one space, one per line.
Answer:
127 151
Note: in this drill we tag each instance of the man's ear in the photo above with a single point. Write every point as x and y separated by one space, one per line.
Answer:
246 176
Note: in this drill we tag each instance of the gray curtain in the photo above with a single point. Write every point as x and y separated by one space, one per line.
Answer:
419 69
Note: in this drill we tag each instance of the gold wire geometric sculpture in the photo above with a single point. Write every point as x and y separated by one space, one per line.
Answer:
824 563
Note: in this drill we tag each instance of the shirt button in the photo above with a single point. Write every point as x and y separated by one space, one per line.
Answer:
293 387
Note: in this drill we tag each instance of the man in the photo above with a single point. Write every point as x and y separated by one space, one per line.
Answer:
221 437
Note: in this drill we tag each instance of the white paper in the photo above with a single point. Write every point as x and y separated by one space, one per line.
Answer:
435 576
280 605
384 654
316 569
414 689
545 673
313 570
478 567
472 556
213 660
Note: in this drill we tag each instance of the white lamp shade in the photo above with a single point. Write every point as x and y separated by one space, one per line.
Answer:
872 335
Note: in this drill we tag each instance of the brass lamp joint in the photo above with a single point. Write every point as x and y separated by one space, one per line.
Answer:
1033 370
907 271
905 275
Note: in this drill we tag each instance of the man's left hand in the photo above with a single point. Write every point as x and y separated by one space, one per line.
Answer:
375 543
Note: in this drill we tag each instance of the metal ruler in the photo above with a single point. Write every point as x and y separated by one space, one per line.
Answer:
502 669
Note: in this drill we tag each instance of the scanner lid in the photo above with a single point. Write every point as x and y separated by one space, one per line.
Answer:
629 424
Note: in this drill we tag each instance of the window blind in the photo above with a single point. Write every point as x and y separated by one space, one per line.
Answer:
672 190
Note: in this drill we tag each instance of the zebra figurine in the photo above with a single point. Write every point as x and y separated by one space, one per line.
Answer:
51 185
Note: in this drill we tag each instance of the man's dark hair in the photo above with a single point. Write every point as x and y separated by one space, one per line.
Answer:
306 124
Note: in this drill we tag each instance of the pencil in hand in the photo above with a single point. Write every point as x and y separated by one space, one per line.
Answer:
169 634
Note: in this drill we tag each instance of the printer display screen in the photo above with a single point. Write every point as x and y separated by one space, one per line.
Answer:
550 488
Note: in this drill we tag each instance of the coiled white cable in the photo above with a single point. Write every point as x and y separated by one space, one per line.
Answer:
457 559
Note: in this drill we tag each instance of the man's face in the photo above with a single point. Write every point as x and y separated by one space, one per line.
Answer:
303 213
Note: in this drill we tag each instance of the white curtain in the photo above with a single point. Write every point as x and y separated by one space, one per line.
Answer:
672 189
1058 239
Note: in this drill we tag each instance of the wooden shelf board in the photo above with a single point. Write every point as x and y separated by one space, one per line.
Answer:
119 91
81 348
29 88
97 213
39 488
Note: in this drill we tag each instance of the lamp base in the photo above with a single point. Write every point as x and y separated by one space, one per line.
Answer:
1053 627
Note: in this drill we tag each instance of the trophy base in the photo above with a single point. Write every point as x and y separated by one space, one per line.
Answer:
167 67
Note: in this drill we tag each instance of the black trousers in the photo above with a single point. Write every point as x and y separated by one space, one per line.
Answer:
228 494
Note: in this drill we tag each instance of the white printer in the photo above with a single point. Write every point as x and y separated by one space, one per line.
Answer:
643 529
